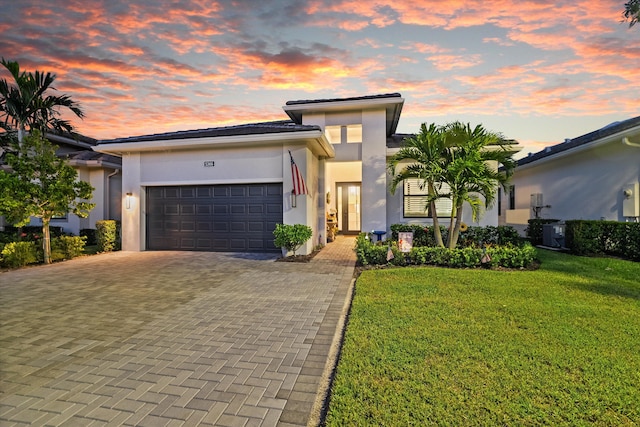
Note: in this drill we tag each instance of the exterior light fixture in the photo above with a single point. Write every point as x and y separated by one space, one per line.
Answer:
127 200
293 198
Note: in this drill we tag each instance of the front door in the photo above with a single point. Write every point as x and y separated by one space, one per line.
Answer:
349 212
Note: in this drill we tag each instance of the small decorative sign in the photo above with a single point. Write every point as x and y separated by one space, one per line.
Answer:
209 163
405 242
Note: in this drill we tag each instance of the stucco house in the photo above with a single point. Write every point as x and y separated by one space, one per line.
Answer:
100 170
594 176
225 188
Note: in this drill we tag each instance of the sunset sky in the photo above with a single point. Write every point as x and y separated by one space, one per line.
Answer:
537 71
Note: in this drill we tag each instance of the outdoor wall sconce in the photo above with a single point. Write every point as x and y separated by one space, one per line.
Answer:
127 201
293 199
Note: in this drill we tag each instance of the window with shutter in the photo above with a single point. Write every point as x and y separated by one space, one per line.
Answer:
415 200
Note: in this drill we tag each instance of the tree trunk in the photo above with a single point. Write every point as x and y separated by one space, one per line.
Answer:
455 231
434 215
46 240
454 214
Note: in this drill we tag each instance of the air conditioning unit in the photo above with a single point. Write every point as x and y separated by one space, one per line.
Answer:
536 200
553 235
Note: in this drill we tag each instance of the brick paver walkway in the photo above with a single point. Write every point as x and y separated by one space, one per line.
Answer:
170 338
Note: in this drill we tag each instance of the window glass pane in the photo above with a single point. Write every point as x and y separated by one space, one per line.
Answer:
415 200
354 134
333 134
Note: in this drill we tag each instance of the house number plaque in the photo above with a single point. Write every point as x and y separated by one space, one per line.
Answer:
209 163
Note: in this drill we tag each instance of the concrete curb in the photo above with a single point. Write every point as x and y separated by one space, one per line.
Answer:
326 380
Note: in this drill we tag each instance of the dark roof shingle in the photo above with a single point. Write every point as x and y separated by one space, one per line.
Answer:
354 98
280 126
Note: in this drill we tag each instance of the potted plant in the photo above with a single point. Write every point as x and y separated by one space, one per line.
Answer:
291 237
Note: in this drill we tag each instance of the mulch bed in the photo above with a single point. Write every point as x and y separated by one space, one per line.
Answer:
299 258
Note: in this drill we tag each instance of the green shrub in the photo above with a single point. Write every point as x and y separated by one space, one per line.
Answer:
291 237
473 236
90 234
422 234
587 237
368 252
489 235
67 247
508 256
534 230
106 235
19 254
32 232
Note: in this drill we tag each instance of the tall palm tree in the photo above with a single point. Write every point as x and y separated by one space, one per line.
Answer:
25 105
471 170
422 157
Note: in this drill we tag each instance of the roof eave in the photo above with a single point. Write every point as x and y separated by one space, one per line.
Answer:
616 137
393 106
322 147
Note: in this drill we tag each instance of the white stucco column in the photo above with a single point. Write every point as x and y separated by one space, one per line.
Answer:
374 176
322 203
132 209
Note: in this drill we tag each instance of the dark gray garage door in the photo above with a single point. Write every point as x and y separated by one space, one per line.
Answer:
223 218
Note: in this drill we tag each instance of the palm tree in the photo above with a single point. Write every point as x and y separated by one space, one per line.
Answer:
422 157
24 104
470 170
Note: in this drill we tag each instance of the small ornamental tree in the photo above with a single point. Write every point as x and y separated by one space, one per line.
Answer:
291 237
39 184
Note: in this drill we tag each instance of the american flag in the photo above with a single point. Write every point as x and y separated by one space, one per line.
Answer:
299 187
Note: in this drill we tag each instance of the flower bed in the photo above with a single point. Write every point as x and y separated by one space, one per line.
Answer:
480 247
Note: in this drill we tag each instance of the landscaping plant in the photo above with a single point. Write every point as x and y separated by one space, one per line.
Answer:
291 237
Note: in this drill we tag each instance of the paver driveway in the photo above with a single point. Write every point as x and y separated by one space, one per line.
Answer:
169 338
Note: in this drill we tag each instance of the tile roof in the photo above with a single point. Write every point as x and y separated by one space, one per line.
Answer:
84 156
280 126
611 129
355 98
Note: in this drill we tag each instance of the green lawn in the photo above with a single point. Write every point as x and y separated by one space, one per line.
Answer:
433 346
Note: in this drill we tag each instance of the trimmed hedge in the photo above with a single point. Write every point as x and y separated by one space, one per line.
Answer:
67 247
590 237
534 230
473 237
509 255
19 254
106 235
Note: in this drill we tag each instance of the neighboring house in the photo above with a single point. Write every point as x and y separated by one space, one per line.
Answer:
100 170
224 189
594 176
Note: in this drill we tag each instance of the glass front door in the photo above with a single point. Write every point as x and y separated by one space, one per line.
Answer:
349 208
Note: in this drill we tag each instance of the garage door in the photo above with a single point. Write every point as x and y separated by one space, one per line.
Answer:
223 218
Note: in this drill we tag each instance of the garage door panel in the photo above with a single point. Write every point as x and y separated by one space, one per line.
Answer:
238 226
187 192
204 209
187 209
171 192
171 209
220 191
214 218
204 227
257 227
238 191
188 226
237 209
